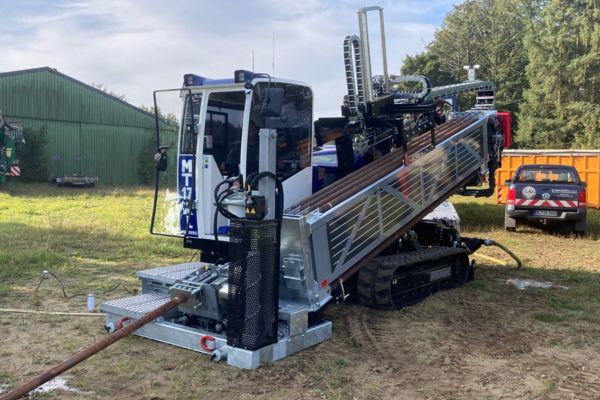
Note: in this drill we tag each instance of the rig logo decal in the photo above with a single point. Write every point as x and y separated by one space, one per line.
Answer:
528 192
546 196
187 196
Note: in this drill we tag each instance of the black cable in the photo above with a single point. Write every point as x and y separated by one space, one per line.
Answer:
219 198
250 177
193 255
64 291
220 208
279 200
217 195
219 204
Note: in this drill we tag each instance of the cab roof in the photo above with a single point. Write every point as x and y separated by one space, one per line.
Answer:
545 166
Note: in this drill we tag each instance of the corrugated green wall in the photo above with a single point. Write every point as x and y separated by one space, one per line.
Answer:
106 134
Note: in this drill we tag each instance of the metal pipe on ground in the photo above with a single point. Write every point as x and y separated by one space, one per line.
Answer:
89 351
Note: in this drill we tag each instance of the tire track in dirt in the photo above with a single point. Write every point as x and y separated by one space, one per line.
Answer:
573 379
397 339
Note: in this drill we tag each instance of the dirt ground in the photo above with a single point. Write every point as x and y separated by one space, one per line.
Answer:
486 340
483 341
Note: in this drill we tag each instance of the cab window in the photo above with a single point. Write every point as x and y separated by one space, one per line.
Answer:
293 126
223 127
546 175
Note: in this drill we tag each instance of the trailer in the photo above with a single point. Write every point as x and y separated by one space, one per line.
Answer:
74 181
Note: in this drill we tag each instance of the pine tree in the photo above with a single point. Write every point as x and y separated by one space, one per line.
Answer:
562 105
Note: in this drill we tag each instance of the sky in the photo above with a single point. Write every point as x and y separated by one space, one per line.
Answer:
134 47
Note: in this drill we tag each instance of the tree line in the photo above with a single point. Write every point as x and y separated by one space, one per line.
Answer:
543 56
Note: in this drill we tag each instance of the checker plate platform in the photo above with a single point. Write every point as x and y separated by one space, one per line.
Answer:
168 275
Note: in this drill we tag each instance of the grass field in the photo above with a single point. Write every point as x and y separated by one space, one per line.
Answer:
486 340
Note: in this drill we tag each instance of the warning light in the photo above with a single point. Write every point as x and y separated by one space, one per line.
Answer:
324 283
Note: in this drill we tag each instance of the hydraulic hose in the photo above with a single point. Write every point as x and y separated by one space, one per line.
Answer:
279 195
220 209
473 244
506 249
220 197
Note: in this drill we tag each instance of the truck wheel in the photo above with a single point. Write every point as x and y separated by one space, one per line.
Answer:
399 280
579 227
510 224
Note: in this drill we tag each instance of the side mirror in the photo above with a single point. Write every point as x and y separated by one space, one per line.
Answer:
160 159
508 182
272 103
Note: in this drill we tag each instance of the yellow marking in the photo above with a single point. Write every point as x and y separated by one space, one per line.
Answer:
492 259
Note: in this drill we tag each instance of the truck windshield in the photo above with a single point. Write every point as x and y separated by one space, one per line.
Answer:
547 175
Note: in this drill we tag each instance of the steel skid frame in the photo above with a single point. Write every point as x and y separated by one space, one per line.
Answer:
295 334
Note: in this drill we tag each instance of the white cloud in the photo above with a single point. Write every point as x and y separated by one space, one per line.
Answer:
134 47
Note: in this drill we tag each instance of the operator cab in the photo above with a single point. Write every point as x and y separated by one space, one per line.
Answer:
219 137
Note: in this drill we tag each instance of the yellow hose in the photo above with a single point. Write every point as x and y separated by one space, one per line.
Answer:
489 242
492 259
509 252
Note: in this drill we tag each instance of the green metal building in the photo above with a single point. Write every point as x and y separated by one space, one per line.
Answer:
89 132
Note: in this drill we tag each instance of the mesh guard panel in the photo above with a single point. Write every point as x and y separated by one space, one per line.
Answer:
253 283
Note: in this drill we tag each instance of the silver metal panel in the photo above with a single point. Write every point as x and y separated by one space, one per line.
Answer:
266 162
189 338
296 316
297 262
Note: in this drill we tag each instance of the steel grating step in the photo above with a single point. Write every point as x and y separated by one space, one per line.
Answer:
168 275
135 306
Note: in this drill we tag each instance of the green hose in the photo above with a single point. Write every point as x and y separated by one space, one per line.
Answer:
490 242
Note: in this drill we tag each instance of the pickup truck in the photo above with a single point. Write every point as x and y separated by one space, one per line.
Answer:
547 194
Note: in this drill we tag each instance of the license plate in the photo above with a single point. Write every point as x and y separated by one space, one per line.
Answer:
440 274
545 213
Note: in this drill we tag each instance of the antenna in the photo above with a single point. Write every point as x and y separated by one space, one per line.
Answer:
252 60
273 62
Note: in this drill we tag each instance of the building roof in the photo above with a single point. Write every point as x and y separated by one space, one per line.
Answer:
54 71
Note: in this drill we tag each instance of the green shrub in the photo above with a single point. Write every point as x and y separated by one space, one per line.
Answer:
32 155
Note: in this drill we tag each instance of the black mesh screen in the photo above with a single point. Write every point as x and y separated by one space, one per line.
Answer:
253 284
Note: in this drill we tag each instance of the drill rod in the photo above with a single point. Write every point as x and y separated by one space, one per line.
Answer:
91 350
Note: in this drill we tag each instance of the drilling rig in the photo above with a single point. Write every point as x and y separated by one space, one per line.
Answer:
280 237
